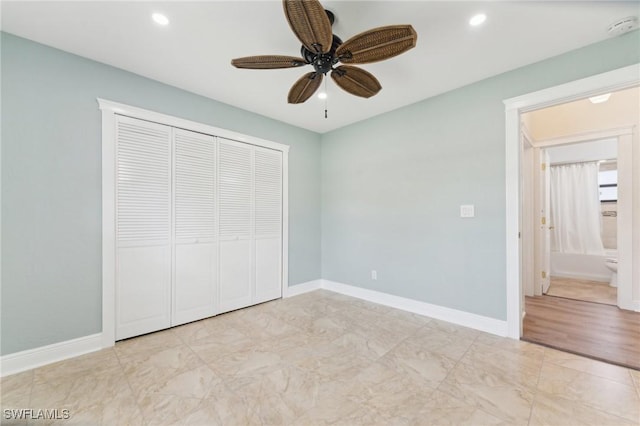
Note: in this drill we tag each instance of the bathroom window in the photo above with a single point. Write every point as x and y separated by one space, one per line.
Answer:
608 181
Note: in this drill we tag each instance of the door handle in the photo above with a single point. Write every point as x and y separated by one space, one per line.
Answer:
552 227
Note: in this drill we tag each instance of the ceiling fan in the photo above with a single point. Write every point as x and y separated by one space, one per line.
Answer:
311 24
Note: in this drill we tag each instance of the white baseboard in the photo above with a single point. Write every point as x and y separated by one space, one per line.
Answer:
32 358
465 319
306 287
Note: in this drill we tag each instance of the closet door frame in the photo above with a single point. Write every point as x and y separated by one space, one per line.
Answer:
110 110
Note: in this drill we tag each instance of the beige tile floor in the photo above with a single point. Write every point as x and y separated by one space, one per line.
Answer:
323 358
589 291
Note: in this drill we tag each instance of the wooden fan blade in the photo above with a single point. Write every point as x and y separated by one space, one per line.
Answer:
377 44
304 87
267 62
356 81
309 23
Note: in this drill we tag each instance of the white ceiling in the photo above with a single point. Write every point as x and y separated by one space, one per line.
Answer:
195 50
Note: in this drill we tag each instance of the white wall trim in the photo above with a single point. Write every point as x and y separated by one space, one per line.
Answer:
465 319
302 288
625 223
108 228
584 137
285 221
527 135
621 78
144 114
33 358
601 83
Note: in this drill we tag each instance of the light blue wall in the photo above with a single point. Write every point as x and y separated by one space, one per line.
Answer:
392 187
51 185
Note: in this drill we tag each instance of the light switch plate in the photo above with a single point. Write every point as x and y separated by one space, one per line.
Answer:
467 210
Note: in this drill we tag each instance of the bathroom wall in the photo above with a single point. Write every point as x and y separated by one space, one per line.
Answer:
609 226
588 151
621 110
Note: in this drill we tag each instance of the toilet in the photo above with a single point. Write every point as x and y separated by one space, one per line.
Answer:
612 264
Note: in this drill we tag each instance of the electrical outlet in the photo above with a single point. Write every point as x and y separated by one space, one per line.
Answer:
374 275
467 210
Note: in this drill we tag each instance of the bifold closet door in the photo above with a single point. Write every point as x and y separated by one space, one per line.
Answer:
235 178
198 226
195 231
268 224
143 227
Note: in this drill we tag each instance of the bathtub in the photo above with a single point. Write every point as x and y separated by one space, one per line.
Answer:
581 266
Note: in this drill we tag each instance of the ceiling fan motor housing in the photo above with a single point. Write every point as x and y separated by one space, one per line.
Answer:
322 62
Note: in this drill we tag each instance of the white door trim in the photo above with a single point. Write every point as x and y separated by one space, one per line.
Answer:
526 225
583 137
601 83
109 111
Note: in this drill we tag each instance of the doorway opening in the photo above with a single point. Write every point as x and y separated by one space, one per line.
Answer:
570 223
577 199
533 268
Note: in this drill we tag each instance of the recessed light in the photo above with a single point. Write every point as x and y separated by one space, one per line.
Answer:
600 98
322 95
477 19
160 19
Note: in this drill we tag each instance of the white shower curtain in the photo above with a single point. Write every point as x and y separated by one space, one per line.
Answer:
575 209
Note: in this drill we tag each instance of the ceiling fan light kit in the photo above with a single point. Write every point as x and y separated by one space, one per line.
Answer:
311 24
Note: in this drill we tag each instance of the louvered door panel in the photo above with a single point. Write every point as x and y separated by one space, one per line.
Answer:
143 227
195 169
268 192
143 181
268 224
234 189
194 210
235 216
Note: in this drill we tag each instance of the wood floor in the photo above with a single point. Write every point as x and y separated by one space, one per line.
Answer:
589 291
595 330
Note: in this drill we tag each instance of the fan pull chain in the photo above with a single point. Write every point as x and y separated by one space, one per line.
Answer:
325 98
